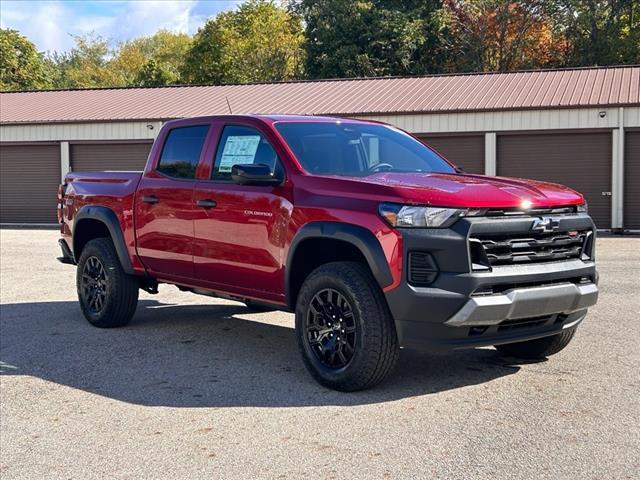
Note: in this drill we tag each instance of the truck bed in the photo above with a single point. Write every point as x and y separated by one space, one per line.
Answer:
114 190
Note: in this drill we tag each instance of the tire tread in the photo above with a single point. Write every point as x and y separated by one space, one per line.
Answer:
124 288
383 352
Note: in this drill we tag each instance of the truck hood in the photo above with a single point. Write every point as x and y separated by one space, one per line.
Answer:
472 191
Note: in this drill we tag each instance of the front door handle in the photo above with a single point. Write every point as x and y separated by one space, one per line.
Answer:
207 203
150 199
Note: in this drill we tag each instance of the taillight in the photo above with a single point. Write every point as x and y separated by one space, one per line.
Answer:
61 191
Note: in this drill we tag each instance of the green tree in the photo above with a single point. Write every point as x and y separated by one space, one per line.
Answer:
346 38
154 60
22 67
258 42
87 65
600 32
152 74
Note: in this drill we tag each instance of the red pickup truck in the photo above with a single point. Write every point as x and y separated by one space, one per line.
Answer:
374 240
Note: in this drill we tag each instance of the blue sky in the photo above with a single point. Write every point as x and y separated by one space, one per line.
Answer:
50 23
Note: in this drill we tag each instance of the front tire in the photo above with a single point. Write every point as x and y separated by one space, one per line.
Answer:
108 296
538 348
345 331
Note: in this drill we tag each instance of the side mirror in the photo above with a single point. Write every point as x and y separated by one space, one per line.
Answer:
254 174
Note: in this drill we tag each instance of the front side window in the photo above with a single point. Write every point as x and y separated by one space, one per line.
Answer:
181 151
240 146
352 149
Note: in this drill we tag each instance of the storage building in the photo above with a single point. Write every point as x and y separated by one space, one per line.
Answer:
579 127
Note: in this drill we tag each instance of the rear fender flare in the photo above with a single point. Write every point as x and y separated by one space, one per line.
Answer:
110 220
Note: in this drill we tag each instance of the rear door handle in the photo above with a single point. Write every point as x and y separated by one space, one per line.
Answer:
207 203
150 199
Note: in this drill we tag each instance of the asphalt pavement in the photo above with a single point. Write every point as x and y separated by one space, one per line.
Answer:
197 387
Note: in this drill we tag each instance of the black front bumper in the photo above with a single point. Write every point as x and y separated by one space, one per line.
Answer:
465 308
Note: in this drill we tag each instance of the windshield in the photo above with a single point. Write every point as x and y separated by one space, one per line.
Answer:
352 149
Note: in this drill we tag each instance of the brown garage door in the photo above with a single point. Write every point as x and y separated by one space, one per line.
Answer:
632 180
466 151
581 161
29 179
91 157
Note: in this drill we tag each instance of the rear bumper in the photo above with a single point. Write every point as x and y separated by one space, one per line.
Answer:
465 308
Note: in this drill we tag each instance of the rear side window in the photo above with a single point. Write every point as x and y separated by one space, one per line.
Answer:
181 151
243 145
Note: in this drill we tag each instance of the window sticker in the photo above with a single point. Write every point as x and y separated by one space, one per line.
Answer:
238 150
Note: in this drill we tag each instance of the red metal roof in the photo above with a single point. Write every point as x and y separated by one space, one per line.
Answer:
544 89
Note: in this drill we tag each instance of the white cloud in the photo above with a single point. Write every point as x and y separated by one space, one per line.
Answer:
147 16
41 22
50 24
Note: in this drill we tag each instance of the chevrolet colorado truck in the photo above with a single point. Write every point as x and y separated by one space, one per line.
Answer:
373 239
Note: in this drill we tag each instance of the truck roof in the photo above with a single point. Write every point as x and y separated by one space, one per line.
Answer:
273 118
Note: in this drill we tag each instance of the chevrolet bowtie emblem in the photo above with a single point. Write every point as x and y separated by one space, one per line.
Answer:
545 224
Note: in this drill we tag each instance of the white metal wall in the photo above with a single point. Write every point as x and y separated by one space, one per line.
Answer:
517 120
500 121
79 131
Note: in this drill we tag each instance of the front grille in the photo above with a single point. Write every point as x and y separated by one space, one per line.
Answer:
499 249
535 212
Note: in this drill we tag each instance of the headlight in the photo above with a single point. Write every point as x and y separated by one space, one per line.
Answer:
584 208
408 216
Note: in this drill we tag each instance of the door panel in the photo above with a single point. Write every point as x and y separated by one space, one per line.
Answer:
581 161
87 157
164 203
164 229
632 180
465 151
29 179
239 243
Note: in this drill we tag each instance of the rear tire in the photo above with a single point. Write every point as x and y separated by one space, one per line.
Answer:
345 331
108 296
539 348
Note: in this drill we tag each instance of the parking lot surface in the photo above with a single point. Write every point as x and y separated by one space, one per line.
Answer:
197 387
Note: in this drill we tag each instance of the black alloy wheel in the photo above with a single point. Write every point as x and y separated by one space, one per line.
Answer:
344 328
331 328
94 285
108 296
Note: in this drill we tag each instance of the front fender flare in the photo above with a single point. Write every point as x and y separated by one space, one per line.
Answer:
358 236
